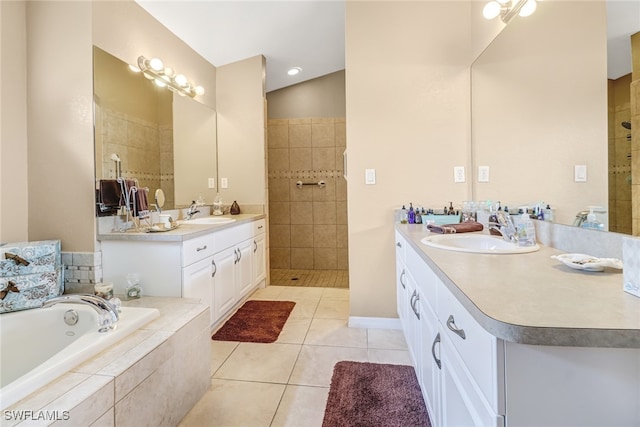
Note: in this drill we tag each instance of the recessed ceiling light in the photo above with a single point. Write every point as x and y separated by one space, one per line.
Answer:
293 71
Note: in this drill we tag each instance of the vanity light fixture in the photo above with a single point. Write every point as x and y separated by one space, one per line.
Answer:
294 70
507 9
162 76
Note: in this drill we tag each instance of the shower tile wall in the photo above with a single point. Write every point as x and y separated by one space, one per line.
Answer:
146 150
619 156
308 225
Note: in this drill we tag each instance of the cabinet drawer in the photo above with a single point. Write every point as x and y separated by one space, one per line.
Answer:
401 244
259 227
196 249
479 350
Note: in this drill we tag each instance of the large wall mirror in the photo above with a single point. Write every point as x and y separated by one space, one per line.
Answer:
540 107
142 131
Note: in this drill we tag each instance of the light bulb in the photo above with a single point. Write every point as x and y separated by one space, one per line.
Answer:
134 68
168 71
491 10
199 90
156 64
528 8
160 83
181 80
293 71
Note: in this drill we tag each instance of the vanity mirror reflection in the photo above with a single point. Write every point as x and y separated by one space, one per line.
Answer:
540 108
164 140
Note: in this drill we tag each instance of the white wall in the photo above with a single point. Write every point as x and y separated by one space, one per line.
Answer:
407 97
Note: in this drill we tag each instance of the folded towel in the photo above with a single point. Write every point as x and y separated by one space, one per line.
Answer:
142 205
464 227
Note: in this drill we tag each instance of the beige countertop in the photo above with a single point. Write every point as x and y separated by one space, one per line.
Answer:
184 232
533 299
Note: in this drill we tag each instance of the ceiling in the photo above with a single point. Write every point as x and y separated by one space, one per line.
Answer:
297 33
310 34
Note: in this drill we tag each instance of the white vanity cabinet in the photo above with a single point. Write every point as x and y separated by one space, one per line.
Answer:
471 377
220 267
446 368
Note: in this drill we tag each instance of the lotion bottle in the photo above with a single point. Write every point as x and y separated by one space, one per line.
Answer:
592 221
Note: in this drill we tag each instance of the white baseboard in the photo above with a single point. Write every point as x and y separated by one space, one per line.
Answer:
374 322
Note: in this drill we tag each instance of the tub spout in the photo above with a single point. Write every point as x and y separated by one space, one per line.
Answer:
107 314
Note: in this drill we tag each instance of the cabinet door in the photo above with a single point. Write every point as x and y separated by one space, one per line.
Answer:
223 281
462 403
430 361
197 282
244 277
259 259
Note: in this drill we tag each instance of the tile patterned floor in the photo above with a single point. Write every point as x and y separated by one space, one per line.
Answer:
323 278
287 383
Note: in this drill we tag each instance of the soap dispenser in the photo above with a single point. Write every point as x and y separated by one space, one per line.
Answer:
592 221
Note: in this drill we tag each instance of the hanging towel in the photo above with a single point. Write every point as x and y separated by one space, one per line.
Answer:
465 227
142 205
109 193
128 183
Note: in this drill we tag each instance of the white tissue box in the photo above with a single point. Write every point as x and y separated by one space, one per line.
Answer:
631 260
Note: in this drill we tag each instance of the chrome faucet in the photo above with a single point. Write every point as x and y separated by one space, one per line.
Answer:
501 224
107 314
192 210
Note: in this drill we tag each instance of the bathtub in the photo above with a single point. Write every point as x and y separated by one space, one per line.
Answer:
37 346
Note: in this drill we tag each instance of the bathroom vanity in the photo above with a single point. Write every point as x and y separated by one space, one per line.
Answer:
217 263
518 339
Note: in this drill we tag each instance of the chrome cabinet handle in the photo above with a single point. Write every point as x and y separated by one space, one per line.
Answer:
398 244
215 268
414 306
239 255
433 351
401 279
235 252
451 324
255 246
259 227
201 249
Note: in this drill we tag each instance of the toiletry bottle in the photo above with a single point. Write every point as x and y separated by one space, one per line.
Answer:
412 214
548 213
526 231
451 212
418 216
592 221
217 205
403 215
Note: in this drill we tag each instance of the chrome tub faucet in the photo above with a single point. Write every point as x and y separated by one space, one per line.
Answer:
107 313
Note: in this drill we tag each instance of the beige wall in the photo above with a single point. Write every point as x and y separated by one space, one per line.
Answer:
321 97
407 86
635 132
60 124
540 107
14 207
241 131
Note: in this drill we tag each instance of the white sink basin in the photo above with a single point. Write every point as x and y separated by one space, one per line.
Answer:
210 220
476 243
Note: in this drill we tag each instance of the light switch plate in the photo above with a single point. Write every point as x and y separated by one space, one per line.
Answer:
458 174
580 173
224 183
483 173
211 183
370 176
